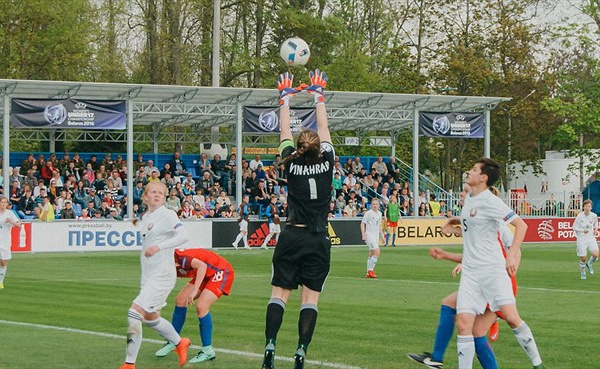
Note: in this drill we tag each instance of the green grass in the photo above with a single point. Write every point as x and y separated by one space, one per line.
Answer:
362 323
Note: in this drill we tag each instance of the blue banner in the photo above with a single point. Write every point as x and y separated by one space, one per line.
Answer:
451 125
266 120
68 113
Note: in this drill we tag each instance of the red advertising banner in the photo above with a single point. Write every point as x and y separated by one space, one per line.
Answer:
20 239
549 230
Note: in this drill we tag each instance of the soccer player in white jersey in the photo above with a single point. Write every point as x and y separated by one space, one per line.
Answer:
8 219
484 279
586 231
162 232
370 228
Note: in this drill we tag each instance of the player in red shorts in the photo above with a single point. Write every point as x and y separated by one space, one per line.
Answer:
212 276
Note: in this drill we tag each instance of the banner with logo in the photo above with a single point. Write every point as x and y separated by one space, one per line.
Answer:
424 231
549 230
20 238
68 113
451 125
261 120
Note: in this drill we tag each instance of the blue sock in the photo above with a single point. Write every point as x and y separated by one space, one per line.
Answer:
485 354
387 238
394 239
443 335
179 317
206 329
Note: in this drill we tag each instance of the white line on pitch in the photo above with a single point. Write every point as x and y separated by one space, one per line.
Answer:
116 336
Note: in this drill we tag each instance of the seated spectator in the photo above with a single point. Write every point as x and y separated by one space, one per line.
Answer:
30 179
337 167
404 208
177 166
351 208
46 172
91 209
254 163
104 210
46 210
340 203
115 177
108 162
67 212
393 169
205 184
110 189
15 176
61 200
218 167
380 167
350 181
211 213
91 196
198 198
203 166
200 210
84 214
154 176
113 214
229 174
189 179
27 164
357 166
138 191
259 197
26 204
38 187
173 202
188 189
362 174
14 194
332 213
166 169
423 210
223 199
99 184
260 174
186 211
89 175
168 180
121 211
150 168
348 168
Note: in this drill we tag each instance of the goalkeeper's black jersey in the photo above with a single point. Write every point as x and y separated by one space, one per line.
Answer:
309 188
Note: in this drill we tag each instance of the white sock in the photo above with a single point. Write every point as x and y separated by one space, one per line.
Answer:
165 329
582 266
374 261
267 239
134 336
527 342
2 273
245 240
237 239
593 259
369 263
466 351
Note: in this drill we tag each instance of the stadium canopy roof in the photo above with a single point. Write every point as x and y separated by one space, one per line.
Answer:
161 106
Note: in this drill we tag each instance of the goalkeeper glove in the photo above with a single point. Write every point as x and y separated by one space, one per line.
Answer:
286 91
318 82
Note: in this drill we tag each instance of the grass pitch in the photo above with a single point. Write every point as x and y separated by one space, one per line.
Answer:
69 311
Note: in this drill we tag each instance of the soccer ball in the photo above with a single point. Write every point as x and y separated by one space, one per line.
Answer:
294 51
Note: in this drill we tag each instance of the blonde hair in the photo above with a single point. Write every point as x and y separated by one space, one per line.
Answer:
155 183
308 145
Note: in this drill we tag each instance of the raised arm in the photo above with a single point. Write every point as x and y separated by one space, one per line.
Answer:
318 82
286 92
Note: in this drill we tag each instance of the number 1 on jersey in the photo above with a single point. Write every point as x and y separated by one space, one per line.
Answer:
312 184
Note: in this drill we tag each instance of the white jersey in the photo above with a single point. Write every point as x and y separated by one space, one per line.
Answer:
506 236
481 220
158 227
585 222
6 227
372 222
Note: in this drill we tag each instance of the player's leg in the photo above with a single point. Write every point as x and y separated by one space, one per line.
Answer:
394 233
443 334
465 343
483 349
372 259
522 333
582 254
269 236
274 318
593 247
134 336
205 326
178 318
3 269
306 324
387 236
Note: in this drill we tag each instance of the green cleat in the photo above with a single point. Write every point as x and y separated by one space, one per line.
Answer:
165 350
203 356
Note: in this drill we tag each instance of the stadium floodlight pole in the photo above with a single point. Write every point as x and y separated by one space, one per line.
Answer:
216 52
415 160
130 184
6 141
239 153
486 136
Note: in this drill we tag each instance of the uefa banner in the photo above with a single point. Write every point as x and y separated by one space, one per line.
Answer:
68 113
451 125
341 233
261 120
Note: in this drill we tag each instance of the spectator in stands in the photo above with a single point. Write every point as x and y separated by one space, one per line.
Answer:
348 167
53 159
281 175
57 179
95 164
166 168
99 184
139 162
223 199
63 164
434 206
141 176
198 198
14 194
91 209
104 209
177 165
46 210
60 201
203 166
108 162
70 170
272 176
186 211
260 196
46 171
150 168
376 190
385 190
340 203
188 190
405 209
89 175
111 190
332 213
351 208
227 211
271 188
362 174
121 211
230 173
393 169
179 190
91 196
114 214
138 191
254 163
27 164
84 214
423 210
205 184
189 179
218 167
154 176
37 189
357 166
79 164
380 167
30 179
15 176
337 184
337 167
345 191
117 182
67 212
119 163
169 181
26 204
349 181
259 174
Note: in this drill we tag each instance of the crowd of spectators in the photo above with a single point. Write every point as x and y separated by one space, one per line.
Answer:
71 188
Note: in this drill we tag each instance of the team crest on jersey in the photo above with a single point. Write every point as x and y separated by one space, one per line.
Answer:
473 212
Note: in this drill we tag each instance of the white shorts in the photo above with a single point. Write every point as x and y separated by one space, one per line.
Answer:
153 296
5 253
476 292
583 245
244 225
373 244
274 228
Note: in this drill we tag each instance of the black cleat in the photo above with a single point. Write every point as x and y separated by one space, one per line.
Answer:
299 359
426 360
269 357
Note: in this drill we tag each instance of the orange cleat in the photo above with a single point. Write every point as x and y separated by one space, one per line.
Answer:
182 350
127 366
494 331
371 274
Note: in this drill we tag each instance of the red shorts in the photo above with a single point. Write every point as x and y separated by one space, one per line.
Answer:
392 224
219 284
